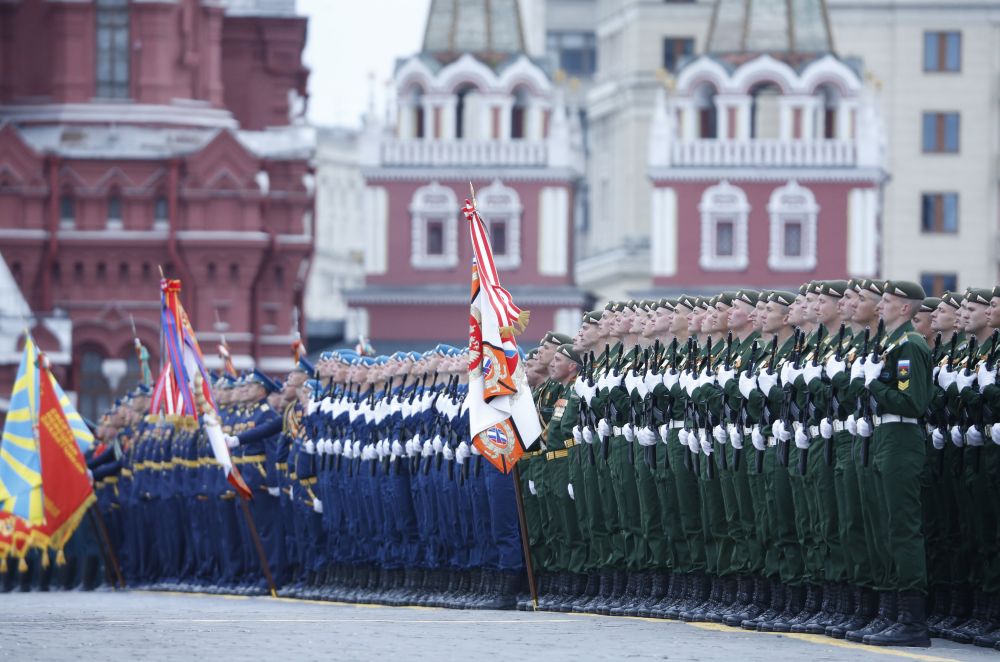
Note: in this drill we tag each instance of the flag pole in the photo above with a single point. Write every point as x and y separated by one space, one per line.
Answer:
525 544
103 534
252 527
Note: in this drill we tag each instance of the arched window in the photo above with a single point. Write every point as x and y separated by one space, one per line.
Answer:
724 211
465 112
829 101
793 211
161 212
112 49
114 212
67 211
501 208
765 113
413 115
708 118
434 218
518 111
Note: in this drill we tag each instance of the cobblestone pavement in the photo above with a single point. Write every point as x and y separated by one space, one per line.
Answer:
142 625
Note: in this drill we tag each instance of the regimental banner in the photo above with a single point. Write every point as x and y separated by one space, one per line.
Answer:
503 420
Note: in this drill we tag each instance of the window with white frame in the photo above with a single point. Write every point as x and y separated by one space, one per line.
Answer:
434 214
500 208
793 211
724 210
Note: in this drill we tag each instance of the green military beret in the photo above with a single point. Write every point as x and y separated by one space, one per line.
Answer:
725 298
854 284
649 305
764 295
556 338
930 304
803 288
593 317
782 297
875 286
748 296
833 288
669 304
996 291
953 299
531 353
570 353
687 301
906 289
979 295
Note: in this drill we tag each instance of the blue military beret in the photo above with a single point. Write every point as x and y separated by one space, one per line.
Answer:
304 366
415 356
313 385
327 356
444 350
258 377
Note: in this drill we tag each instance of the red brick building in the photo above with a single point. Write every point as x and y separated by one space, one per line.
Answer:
471 106
140 135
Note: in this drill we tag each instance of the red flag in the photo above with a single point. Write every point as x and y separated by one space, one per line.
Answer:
65 485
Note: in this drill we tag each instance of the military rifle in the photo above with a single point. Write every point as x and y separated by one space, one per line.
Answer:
834 406
772 362
805 413
872 408
741 416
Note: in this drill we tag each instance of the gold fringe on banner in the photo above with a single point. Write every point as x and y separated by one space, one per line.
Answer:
519 325
22 565
3 565
45 556
60 558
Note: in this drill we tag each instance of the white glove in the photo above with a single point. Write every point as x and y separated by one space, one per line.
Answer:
317 506
577 434
766 381
779 432
274 491
646 436
682 437
724 376
801 438
632 381
693 441
985 377
864 428
873 368
706 378
588 435
670 379
789 373
232 442
463 452
974 437
337 447
663 432
578 387
628 430
612 380
437 444
758 439
938 440
448 452
858 369
834 367
748 383
956 436
640 386
964 379
719 433
603 429
690 384
309 447
312 407
735 436
589 391
812 372
569 489
826 428
995 433
531 487
397 448
475 450
852 425
946 378
651 380
706 443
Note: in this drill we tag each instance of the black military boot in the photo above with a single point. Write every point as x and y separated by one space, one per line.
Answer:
884 617
773 609
865 603
991 637
910 628
654 594
503 593
619 582
699 587
958 612
604 584
587 592
641 588
727 596
627 597
978 625
577 591
938 609
733 614
752 599
824 616
671 584
524 601
699 613
794 599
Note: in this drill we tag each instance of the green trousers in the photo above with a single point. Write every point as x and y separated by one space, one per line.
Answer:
609 505
850 522
781 516
623 482
589 507
690 549
718 542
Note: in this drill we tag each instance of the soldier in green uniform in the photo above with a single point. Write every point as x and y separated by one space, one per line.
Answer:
899 384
